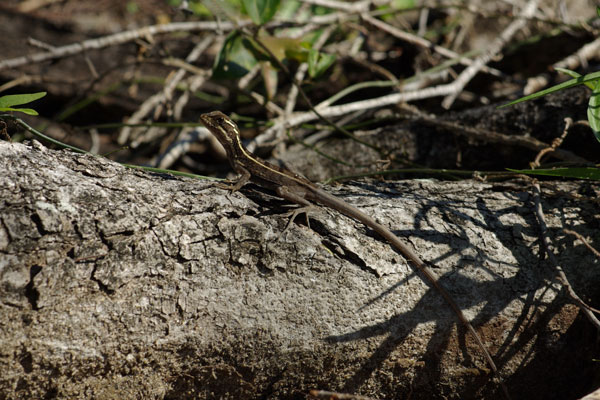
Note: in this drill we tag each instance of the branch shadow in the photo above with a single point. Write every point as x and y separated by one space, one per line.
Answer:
398 327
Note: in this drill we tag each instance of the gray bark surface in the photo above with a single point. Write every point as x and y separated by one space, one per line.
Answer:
118 283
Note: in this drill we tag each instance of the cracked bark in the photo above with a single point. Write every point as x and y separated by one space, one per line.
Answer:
120 283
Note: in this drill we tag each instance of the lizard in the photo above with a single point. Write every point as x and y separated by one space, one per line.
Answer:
299 190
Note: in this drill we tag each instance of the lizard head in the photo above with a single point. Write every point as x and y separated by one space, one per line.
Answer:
223 128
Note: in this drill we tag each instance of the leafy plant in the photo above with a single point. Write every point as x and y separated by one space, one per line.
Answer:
590 80
593 113
242 51
8 102
261 11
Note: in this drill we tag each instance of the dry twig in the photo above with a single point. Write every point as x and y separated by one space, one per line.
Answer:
555 144
424 43
539 212
579 58
156 102
585 242
112 40
494 48
324 394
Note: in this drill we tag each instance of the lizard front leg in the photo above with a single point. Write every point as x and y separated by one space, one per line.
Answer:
237 184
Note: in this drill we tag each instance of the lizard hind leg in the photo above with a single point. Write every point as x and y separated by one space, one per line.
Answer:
290 195
297 211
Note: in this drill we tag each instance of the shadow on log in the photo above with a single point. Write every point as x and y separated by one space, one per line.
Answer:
117 283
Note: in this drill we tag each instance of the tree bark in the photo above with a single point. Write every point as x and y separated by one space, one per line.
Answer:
119 283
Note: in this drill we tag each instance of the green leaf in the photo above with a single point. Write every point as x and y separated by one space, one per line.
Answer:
318 62
280 47
289 9
27 111
402 4
132 7
593 112
235 59
579 173
261 11
18 99
565 85
574 74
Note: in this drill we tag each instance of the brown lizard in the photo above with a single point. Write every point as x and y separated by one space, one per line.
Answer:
297 189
